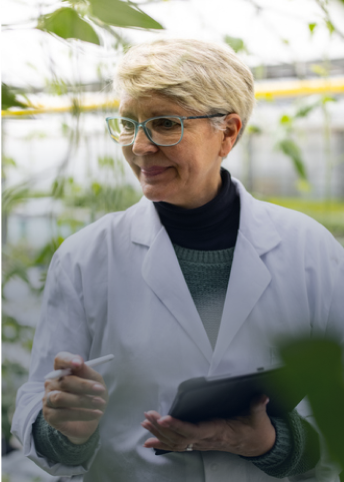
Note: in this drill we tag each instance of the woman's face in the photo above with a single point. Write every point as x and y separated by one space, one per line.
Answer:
187 174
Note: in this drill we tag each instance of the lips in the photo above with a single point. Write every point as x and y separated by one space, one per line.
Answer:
154 170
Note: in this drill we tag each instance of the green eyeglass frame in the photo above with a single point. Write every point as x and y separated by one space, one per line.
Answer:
147 132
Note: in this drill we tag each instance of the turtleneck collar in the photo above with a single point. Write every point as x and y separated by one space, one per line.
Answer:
212 226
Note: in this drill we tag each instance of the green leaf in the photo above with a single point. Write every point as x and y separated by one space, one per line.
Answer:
8 98
330 27
328 98
106 161
66 23
253 129
96 188
46 253
237 44
12 196
312 26
13 331
316 366
305 110
292 150
303 186
121 14
319 70
286 119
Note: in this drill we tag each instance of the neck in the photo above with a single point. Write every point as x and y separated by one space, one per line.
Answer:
214 225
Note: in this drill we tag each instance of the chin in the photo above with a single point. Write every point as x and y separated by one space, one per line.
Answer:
153 196
156 195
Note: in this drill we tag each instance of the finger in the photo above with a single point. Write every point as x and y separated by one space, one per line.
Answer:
58 399
184 429
167 433
65 359
258 405
61 415
77 364
153 414
154 443
159 435
158 444
77 385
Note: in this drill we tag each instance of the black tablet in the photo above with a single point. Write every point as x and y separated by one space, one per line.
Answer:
205 398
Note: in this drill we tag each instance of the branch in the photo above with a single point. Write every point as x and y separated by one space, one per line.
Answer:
328 18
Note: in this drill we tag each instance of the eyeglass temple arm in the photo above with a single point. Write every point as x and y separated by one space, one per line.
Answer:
205 116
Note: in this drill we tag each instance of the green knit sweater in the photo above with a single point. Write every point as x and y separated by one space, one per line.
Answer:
296 449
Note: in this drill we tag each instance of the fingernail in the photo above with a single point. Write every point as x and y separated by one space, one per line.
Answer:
98 400
76 362
164 421
98 387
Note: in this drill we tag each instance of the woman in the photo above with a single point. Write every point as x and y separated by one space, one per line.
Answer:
196 279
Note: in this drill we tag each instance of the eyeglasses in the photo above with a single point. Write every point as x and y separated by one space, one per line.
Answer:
166 130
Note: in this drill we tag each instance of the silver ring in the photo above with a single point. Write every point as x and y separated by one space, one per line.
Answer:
189 448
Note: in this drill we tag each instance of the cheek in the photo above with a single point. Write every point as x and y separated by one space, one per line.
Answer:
127 154
129 157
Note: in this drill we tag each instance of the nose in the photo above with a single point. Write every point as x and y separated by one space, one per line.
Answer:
143 145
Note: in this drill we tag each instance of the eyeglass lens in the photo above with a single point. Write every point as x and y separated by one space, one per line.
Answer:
163 131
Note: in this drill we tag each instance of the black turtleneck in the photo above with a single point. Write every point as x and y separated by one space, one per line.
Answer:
213 226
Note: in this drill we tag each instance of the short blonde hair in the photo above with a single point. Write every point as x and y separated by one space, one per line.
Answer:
202 76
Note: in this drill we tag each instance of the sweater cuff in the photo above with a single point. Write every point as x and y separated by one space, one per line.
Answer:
296 449
56 447
279 452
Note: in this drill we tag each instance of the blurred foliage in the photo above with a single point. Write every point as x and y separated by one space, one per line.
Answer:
66 23
122 14
316 366
237 44
289 128
328 213
292 150
9 98
13 376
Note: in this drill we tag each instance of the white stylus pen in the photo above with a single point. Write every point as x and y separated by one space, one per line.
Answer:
90 363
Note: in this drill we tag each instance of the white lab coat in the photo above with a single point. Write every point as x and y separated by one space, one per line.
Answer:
116 287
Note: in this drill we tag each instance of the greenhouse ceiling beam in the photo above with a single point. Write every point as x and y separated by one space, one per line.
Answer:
264 90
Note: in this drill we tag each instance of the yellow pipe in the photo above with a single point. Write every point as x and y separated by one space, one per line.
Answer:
272 90
263 91
49 110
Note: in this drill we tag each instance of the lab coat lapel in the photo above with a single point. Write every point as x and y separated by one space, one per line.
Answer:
162 273
249 276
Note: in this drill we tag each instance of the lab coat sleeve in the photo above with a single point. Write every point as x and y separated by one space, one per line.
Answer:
62 327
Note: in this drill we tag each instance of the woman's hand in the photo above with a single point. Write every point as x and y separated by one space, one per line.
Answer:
250 435
75 403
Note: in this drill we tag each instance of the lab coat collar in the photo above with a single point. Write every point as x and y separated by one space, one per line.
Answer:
255 223
248 280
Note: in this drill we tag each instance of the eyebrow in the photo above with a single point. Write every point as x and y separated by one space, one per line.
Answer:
126 114
153 114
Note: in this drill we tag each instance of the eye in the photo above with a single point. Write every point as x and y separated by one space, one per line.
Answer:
165 123
127 125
